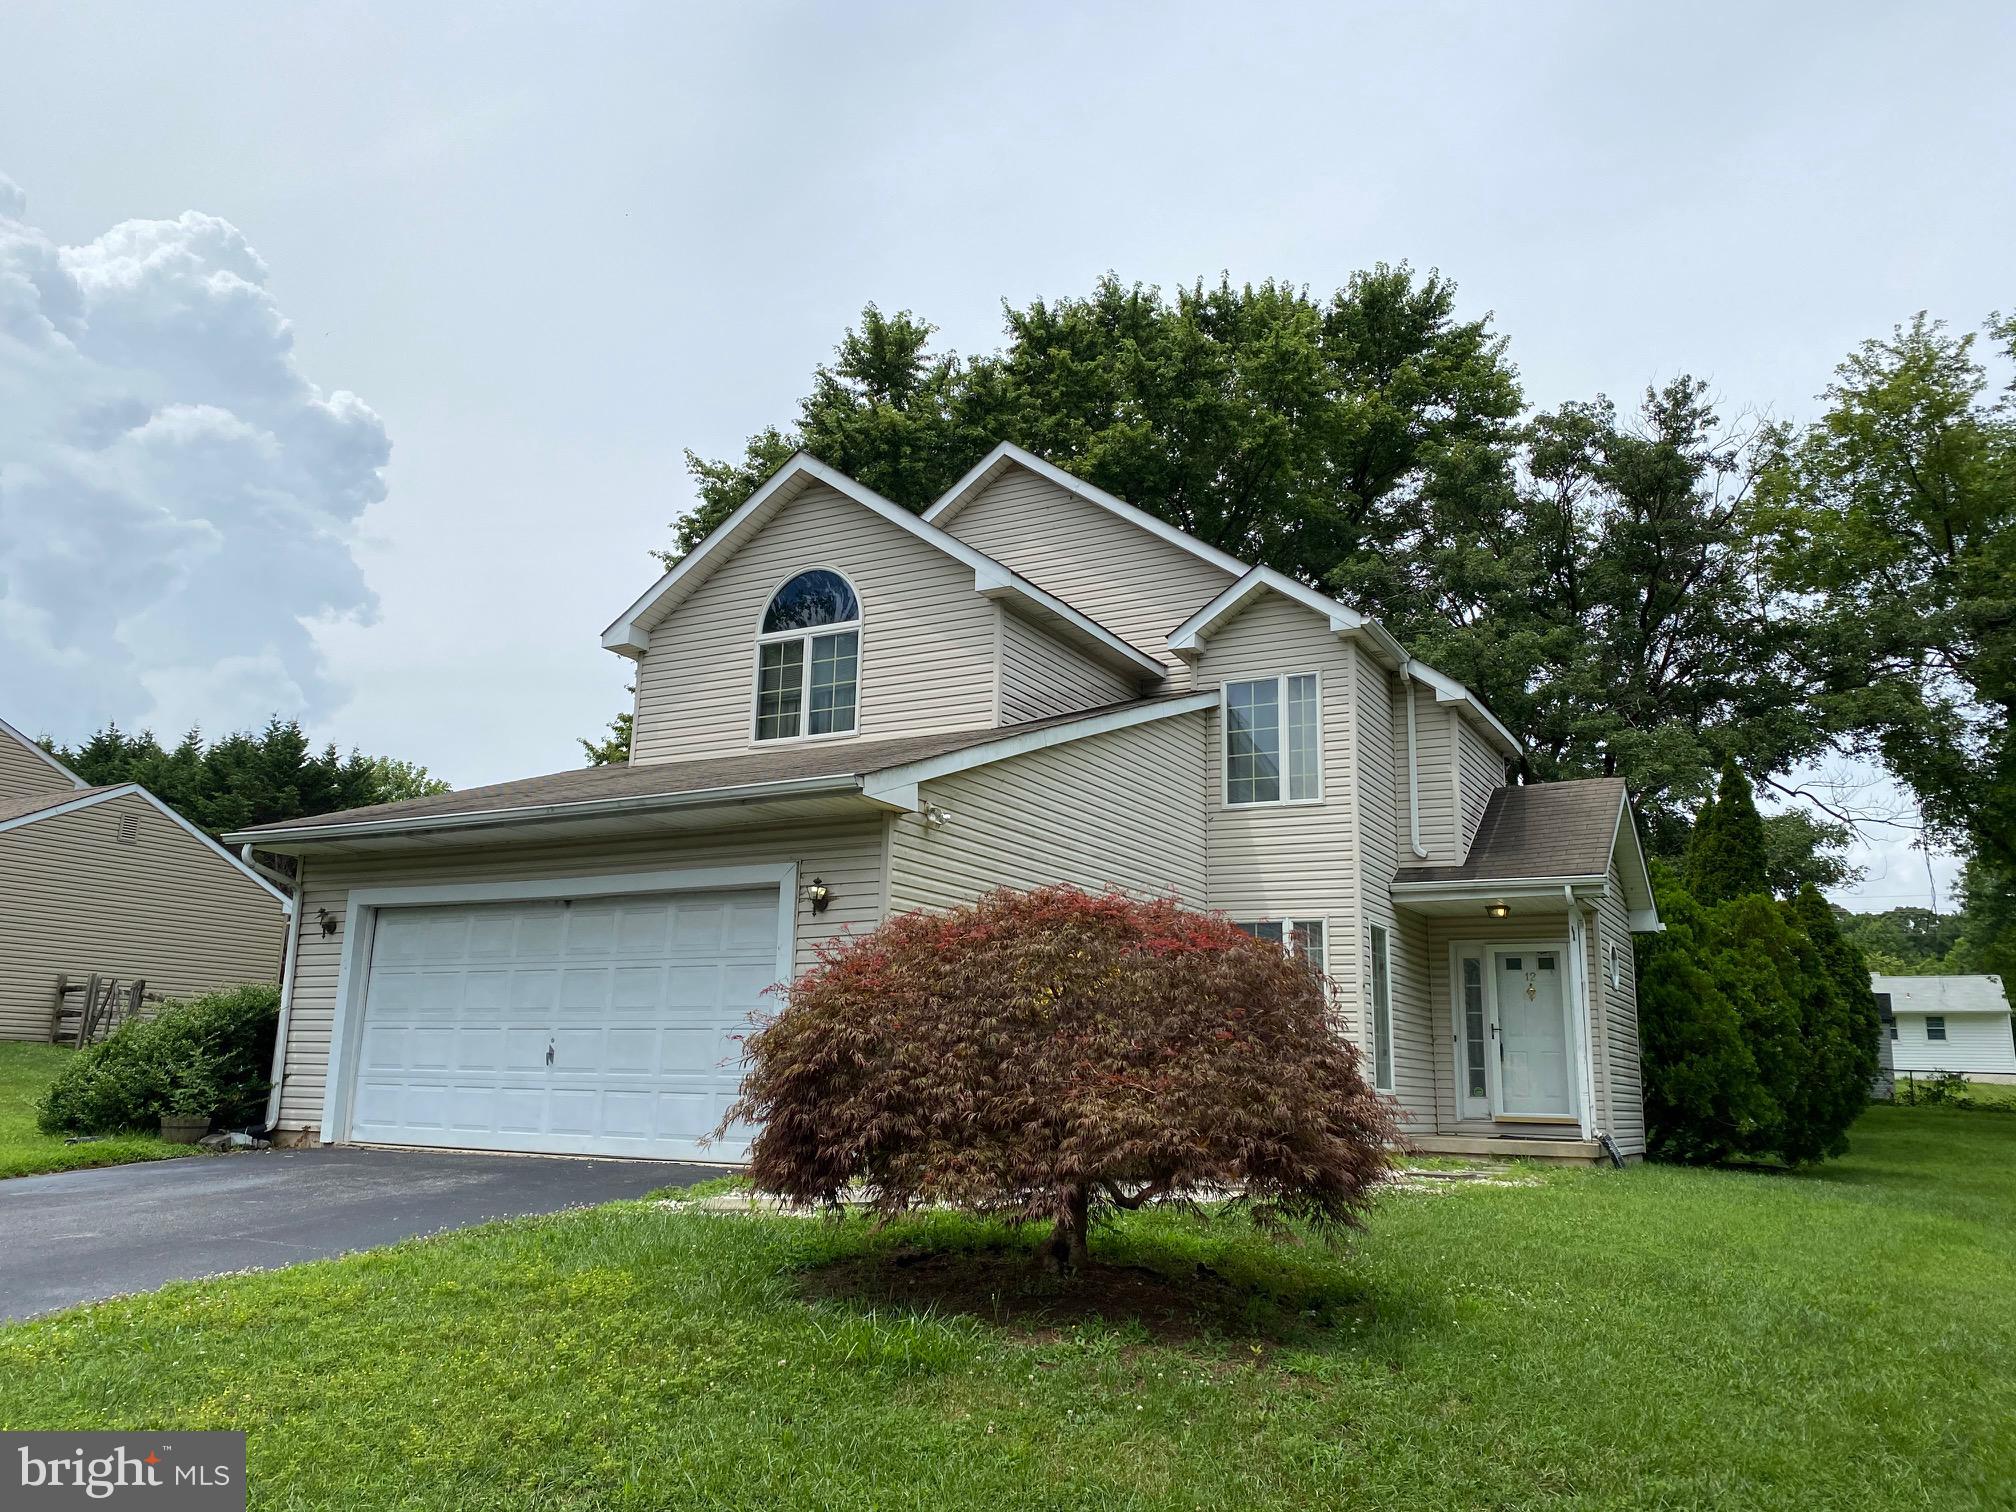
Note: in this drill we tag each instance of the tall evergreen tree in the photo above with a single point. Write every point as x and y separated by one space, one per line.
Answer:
1850 1055
1727 857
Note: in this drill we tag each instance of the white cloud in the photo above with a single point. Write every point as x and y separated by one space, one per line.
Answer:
178 503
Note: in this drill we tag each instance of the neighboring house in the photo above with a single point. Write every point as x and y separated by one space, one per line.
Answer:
844 711
1947 1023
110 880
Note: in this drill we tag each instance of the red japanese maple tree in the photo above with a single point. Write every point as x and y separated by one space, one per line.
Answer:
1048 1055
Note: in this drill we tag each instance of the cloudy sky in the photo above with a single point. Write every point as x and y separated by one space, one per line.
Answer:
347 352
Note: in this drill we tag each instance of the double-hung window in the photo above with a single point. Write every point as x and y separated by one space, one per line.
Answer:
1935 1026
1303 936
1273 740
808 657
1382 1010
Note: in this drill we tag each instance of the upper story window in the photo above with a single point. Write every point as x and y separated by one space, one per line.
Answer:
808 658
1273 740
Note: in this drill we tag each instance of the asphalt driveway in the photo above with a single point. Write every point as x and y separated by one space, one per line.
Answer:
83 1235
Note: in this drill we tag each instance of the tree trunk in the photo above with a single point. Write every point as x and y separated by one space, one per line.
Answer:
1065 1251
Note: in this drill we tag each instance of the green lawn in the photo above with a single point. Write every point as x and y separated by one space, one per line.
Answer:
1650 1338
25 1070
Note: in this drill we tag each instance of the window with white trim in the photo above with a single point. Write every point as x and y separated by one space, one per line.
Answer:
1302 936
1935 1026
808 657
1381 976
1273 740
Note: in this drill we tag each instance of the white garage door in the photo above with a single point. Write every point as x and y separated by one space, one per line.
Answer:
603 1026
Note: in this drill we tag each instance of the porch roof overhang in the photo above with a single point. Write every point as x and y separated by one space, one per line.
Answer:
1523 897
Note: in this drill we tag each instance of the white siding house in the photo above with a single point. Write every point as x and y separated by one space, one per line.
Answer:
1947 1023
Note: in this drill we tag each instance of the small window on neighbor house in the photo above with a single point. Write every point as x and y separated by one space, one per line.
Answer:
1273 746
808 659
1893 1027
129 829
1935 1026
1382 1012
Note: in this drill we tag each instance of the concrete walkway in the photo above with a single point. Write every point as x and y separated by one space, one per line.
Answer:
83 1235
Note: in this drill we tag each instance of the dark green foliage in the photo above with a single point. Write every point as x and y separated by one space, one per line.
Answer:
208 1055
1726 857
1904 941
1703 1101
613 749
1758 1029
246 779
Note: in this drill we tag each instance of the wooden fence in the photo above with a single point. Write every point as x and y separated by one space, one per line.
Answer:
83 1013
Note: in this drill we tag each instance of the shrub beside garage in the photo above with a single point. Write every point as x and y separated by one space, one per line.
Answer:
208 1056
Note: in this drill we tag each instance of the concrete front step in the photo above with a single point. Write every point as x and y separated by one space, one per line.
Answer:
1507 1147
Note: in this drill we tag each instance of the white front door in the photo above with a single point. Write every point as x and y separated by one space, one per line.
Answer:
1529 988
600 1025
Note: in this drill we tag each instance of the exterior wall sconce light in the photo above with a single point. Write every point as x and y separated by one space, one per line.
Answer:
1498 910
327 920
819 895
936 817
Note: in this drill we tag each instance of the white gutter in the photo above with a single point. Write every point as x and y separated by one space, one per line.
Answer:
287 958
1413 772
585 808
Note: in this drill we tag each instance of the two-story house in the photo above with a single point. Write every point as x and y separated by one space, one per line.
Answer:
845 711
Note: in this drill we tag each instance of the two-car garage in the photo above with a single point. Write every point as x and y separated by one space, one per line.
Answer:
594 1024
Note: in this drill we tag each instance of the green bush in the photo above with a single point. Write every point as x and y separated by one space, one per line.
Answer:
207 1055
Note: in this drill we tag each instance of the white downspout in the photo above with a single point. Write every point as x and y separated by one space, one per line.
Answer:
287 957
1578 985
1413 772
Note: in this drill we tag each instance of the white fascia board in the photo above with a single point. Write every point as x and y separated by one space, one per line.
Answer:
627 637
9 732
584 808
1632 868
1511 887
134 790
1450 691
897 786
1189 637
960 494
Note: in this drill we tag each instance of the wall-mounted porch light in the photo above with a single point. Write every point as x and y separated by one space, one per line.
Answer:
1498 910
819 895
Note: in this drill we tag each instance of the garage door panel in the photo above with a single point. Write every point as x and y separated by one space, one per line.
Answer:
642 1003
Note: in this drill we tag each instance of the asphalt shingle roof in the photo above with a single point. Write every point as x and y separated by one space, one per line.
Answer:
34 803
845 758
1548 829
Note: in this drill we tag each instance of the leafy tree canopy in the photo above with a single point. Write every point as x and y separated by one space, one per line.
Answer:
245 778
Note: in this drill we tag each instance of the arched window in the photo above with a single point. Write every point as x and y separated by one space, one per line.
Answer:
808 658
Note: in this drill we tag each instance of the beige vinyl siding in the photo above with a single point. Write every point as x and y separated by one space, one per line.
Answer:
169 909
1616 1025
1121 810
927 638
1480 771
1382 824
1435 774
848 859
1294 860
1130 580
1041 676
23 774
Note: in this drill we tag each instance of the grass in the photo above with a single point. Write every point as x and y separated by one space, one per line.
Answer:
25 1071
1650 1338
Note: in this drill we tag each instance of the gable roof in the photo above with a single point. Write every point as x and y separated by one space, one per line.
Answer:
1550 832
1943 994
1188 640
990 467
882 770
8 732
27 811
630 634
